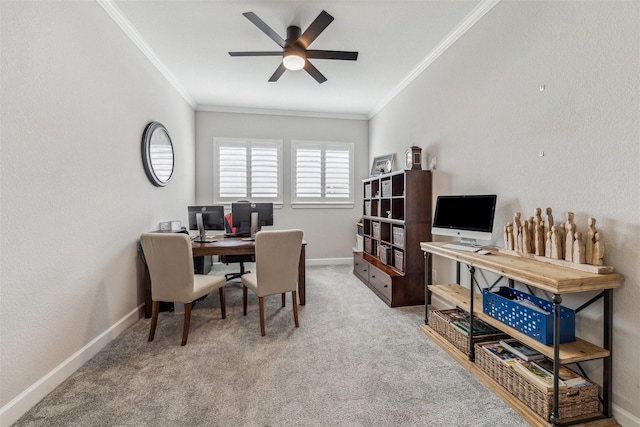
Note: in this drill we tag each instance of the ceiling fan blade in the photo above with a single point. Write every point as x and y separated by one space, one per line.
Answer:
279 53
279 71
317 26
313 71
332 54
265 28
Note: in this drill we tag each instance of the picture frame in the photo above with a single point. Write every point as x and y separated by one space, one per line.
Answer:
382 164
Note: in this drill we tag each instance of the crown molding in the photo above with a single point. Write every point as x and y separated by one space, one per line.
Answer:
128 28
274 112
469 21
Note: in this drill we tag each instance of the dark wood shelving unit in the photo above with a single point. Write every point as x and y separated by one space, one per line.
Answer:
396 213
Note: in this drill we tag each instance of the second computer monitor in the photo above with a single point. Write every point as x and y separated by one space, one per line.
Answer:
212 217
241 214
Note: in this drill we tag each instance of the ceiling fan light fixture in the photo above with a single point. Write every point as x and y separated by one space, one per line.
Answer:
293 60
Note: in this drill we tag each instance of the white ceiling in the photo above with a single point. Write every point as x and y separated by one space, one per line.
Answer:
189 42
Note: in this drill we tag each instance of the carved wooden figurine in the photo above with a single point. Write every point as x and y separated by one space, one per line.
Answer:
569 229
537 216
578 249
548 223
517 231
532 236
510 242
591 240
598 251
539 239
556 245
526 237
547 244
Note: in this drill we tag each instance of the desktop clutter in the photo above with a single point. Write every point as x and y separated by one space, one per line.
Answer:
541 239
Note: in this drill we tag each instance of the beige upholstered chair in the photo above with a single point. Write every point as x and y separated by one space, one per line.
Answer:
277 258
170 261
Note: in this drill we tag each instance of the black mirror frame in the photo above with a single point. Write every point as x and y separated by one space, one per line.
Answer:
146 153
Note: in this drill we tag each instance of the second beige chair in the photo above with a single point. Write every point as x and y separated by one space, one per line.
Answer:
169 258
277 258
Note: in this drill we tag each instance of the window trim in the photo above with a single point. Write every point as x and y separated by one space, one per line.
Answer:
248 142
322 202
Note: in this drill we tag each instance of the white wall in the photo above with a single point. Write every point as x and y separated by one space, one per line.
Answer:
330 233
479 110
76 96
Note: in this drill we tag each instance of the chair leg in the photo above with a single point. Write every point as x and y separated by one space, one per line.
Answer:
155 307
283 299
295 308
261 303
223 304
187 320
244 300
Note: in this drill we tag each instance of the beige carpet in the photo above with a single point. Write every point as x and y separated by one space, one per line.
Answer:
352 362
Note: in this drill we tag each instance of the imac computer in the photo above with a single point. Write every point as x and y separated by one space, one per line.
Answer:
468 217
204 218
250 217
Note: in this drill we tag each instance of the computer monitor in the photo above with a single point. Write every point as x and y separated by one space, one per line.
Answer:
242 214
203 218
469 217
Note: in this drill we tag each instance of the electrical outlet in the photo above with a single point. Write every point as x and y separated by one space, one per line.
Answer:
434 275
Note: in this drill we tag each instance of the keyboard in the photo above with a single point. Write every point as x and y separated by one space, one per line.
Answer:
465 248
237 235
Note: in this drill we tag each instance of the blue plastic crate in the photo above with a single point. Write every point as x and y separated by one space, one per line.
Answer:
502 305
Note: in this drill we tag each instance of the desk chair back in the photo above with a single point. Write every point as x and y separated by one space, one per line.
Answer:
231 259
169 259
170 262
277 259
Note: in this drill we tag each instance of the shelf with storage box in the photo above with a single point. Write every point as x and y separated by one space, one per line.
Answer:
558 280
396 218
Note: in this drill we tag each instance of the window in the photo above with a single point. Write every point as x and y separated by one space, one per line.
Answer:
247 170
322 173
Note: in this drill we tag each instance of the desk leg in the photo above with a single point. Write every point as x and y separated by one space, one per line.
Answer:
302 274
147 292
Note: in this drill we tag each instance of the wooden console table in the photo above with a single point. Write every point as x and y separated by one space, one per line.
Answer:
558 280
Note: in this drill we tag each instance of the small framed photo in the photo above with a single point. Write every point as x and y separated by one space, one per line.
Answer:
382 164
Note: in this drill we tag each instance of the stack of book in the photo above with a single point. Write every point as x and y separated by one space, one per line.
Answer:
519 349
459 319
569 377
537 376
500 353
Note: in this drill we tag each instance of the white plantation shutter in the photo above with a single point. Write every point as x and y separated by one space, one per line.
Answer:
264 171
308 172
247 170
232 170
322 172
337 162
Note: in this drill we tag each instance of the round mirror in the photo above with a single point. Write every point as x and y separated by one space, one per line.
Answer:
157 154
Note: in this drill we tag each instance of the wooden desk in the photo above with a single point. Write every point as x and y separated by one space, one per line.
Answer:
229 246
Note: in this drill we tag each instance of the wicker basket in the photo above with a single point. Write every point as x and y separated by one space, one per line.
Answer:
572 402
454 335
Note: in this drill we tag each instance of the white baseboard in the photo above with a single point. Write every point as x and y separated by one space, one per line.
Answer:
625 418
17 407
330 261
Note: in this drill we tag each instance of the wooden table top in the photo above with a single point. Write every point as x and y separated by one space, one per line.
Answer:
548 277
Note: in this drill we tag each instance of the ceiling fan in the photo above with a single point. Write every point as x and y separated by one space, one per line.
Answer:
295 55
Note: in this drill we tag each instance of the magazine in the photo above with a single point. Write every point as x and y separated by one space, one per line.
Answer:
570 378
500 353
537 376
521 350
